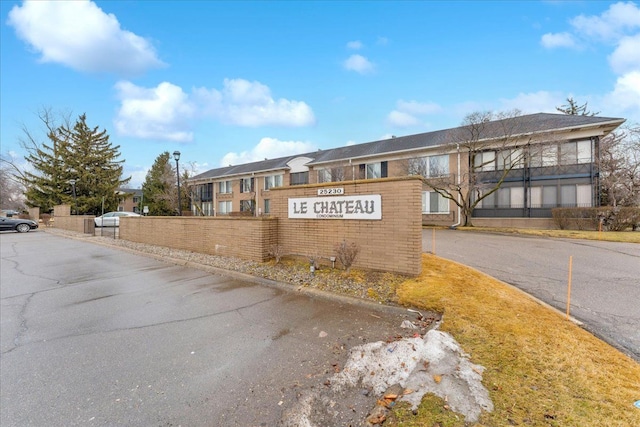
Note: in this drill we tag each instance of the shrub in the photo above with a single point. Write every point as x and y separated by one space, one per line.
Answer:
277 252
347 253
613 218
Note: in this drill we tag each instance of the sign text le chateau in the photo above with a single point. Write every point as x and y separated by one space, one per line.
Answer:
363 207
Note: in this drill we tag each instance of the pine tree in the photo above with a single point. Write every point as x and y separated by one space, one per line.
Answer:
574 109
159 189
82 154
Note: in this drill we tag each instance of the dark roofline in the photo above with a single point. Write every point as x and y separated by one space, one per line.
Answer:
530 124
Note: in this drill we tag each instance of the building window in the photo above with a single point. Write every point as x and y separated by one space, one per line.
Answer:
484 161
584 197
584 152
272 181
224 208
267 206
324 175
543 156
430 166
549 196
516 197
434 203
575 152
373 170
247 206
224 187
204 192
299 178
246 185
568 196
549 155
207 208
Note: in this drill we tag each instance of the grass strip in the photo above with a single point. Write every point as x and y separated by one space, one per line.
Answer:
542 370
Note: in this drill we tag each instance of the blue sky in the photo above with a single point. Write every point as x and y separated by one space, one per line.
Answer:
232 82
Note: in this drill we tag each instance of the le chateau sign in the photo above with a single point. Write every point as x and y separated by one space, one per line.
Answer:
339 207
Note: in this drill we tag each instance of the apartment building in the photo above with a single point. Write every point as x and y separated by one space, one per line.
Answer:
129 199
539 161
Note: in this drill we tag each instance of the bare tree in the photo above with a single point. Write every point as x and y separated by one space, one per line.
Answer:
620 167
493 143
11 189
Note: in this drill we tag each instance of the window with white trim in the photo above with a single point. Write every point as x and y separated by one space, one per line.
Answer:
434 203
224 187
207 209
246 185
272 181
374 170
430 166
224 208
247 205
267 206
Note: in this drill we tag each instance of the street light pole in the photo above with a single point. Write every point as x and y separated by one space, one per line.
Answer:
176 156
75 200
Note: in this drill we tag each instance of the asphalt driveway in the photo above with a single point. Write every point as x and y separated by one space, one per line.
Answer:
91 335
605 291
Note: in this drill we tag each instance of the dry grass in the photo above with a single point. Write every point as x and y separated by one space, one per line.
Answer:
608 236
542 370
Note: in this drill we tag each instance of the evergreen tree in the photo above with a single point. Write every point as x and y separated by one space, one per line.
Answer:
574 109
159 188
82 154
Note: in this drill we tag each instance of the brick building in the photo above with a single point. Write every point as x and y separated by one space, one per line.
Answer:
542 161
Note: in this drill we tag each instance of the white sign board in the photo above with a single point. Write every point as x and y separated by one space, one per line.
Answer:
339 207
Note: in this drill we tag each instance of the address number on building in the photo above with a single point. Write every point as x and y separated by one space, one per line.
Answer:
330 191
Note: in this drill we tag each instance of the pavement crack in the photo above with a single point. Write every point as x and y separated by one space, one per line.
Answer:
133 328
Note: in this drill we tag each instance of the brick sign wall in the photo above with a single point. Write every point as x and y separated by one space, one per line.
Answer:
391 242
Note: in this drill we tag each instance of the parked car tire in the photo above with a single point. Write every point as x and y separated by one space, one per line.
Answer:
22 228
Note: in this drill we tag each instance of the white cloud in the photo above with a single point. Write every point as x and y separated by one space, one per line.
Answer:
536 102
401 119
612 24
553 40
359 64
414 107
267 148
245 103
625 96
163 112
407 113
618 26
355 45
80 35
138 176
167 112
350 143
626 56
382 41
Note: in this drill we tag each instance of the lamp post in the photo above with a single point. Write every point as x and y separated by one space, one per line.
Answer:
176 156
73 187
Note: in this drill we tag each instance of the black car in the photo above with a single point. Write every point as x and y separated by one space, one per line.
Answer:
17 224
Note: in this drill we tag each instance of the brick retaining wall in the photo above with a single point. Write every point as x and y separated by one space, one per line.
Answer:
246 238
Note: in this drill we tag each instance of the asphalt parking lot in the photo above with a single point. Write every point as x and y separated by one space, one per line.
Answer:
91 335
605 290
